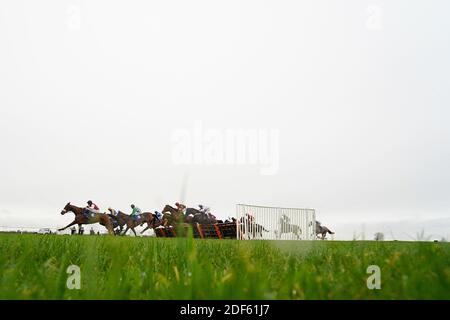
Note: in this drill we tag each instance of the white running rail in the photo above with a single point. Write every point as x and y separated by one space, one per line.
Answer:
273 223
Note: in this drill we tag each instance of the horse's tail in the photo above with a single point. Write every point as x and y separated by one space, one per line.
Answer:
329 231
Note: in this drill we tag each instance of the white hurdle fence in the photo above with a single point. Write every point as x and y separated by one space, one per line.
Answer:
273 223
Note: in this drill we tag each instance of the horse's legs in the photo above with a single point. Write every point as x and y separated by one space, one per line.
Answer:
126 230
69 225
132 229
110 227
146 228
118 230
79 228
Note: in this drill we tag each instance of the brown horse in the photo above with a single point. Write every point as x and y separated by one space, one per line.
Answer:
171 216
80 218
189 215
118 223
145 217
155 223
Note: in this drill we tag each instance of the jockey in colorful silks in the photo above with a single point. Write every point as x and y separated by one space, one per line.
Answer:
112 211
91 209
135 214
92 206
158 215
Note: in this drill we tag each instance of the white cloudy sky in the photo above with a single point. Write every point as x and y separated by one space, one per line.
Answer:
91 93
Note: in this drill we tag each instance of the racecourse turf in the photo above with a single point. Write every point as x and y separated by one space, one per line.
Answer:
35 267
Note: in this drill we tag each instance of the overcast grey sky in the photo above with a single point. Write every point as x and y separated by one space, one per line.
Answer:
92 93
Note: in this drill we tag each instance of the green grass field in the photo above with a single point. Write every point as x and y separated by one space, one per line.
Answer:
34 267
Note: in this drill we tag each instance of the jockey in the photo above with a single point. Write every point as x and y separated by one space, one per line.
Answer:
181 207
92 208
112 211
136 212
205 210
158 215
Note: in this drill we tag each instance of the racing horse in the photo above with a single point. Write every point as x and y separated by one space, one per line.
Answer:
285 226
172 215
201 218
81 218
322 230
131 223
154 224
118 223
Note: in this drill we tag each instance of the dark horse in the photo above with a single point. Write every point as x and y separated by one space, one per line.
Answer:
322 230
201 218
80 218
131 223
